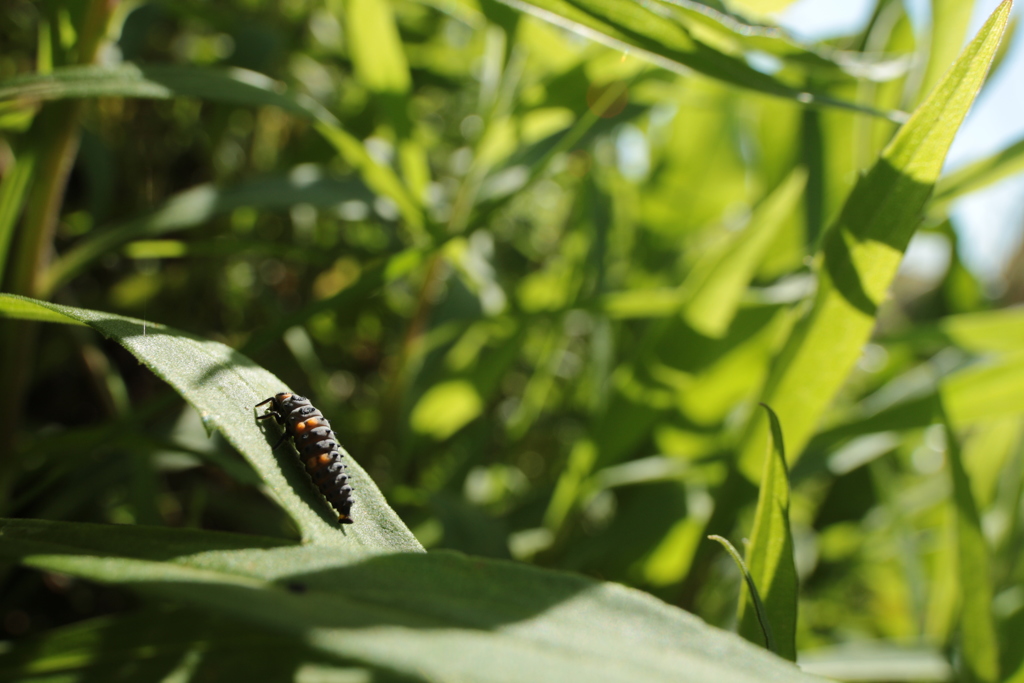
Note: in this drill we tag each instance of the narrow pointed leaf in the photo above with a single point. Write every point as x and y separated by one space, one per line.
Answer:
713 291
986 390
158 81
977 175
980 649
375 46
681 37
750 591
770 553
862 251
224 386
950 19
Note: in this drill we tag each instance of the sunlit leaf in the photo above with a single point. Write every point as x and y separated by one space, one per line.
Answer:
682 36
989 389
950 19
714 288
980 648
375 46
770 554
977 175
224 386
446 408
862 251
438 615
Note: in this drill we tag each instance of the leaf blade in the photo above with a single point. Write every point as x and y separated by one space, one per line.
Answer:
672 35
716 287
439 616
223 386
862 250
977 626
770 552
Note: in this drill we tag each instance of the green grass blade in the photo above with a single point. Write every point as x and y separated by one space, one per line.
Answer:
770 553
977 175
750 590
380 64
950 19
17 308
714 288
673 37
223 386
986 390
1000 330
980 649
13 192
231 86
862 251
437 616
378 177
375 46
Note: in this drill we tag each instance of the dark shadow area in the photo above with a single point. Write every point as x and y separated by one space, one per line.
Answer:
885 206
156 642
440 590
24 537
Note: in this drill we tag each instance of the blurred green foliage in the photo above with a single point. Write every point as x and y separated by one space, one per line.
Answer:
538 284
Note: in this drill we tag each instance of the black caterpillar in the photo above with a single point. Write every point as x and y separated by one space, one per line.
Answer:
317 448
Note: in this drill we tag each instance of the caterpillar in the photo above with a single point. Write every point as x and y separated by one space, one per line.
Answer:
318 449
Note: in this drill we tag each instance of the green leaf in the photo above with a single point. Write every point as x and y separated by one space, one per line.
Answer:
762 6
878 661
713 290
950 19
567 492
439 616
159 81
977 175
376 50
985 390
979 331
446 408
680 36
224 386
378 177
980 649
13 193
375 46
751 590
862 251
999 330
27 309
770 553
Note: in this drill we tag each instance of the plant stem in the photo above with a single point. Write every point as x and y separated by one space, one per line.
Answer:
54 140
